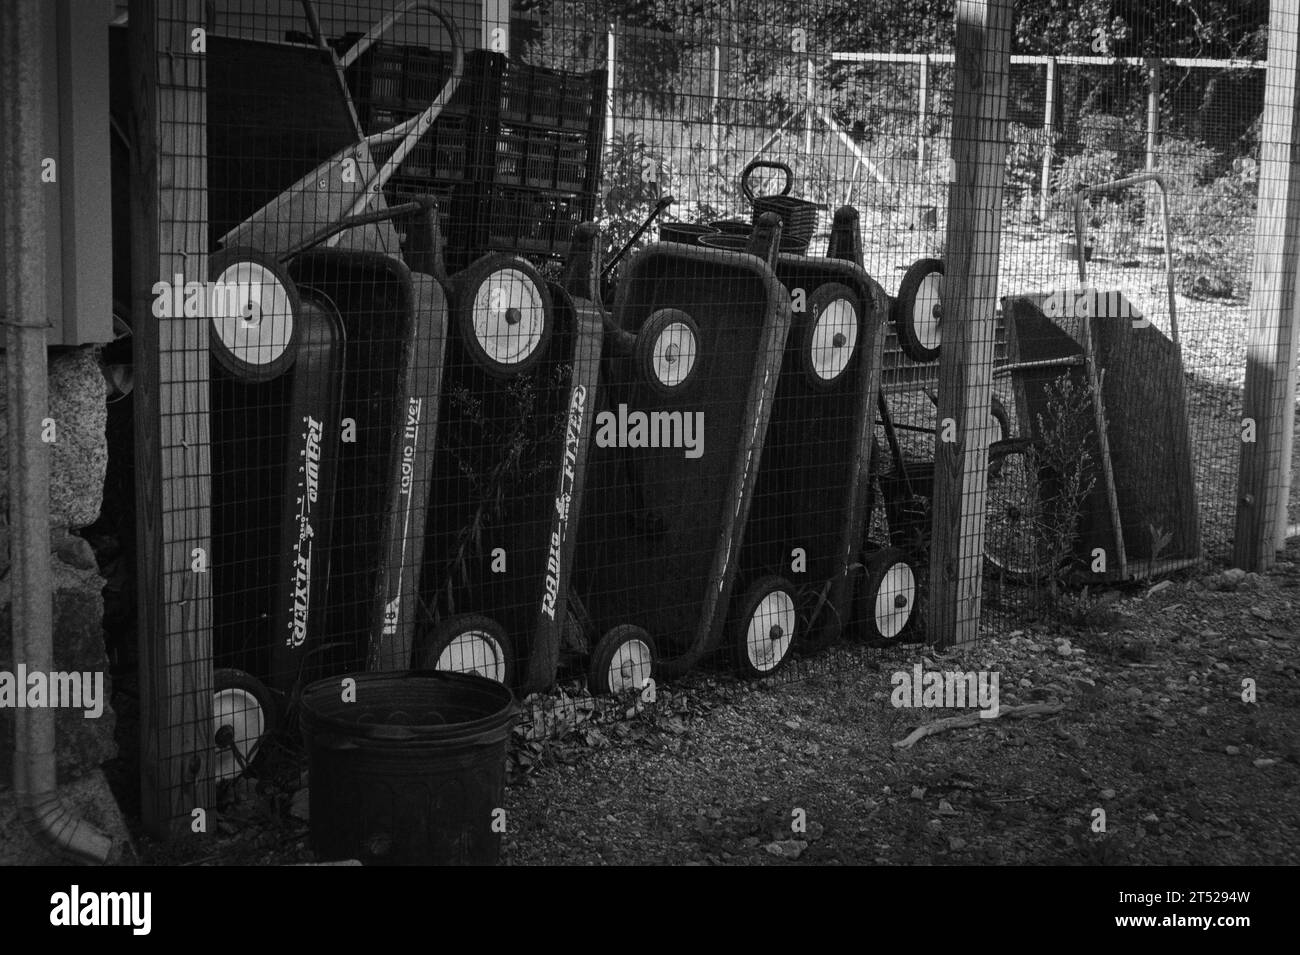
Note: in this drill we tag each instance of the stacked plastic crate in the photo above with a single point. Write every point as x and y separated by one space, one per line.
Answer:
514 159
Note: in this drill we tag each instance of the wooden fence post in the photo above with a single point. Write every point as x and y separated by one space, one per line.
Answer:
1152 205
809 95
1268 401
169 238
969 296
922 110
715 107
611 62
1049 145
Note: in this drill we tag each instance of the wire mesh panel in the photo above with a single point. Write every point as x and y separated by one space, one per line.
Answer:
595 344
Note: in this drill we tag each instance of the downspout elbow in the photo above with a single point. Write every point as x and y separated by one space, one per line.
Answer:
59 828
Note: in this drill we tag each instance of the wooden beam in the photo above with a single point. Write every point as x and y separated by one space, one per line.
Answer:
1153 141
969 296
1271 343
611 63
1027 59
169 238
922 110
715 107
1049 141
809 94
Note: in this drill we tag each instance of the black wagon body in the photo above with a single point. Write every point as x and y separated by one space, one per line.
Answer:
662 527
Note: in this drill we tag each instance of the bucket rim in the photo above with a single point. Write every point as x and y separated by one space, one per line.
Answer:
316 721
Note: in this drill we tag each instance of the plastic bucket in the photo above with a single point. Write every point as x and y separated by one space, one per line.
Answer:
409 769
688 233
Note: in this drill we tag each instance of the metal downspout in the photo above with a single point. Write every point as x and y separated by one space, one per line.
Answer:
22 229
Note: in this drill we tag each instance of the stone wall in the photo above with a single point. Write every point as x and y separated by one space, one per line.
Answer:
79 456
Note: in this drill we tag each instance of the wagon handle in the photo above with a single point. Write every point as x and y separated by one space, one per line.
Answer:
1082 192
422 204
663 203
409 132
748 190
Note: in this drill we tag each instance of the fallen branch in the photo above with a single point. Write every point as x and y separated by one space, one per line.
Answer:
974 719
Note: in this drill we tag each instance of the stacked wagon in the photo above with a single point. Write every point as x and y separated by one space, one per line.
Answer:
422 455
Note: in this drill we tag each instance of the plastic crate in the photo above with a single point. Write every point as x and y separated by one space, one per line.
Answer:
511 156
529 220
556 161
443 152
378 79
426 72
544 159
545 97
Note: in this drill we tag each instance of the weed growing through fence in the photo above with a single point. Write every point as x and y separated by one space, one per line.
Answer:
501 457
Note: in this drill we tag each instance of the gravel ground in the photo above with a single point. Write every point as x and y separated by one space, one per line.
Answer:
1152 730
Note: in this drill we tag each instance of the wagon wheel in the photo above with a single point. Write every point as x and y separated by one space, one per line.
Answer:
1017 521
667 349
470 643
244 713
623 659
918 310
503 314
766 626
252 308
886 601
829 338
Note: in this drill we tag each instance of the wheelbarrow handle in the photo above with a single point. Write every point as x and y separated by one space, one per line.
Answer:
408 133
1082 192
748 190
391 19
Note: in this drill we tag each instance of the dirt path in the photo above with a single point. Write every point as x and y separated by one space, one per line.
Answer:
1153 731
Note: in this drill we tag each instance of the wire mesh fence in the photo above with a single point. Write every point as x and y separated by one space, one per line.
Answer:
595 345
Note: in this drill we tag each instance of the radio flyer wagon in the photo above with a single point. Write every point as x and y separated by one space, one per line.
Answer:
319 271
695 332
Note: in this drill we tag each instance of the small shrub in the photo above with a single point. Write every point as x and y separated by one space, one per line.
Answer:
1062 458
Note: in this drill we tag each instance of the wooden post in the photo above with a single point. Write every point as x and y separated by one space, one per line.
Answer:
922 110
1152 205
808 113
495 19
1269 395
715 107
1049 137
969 297
169 239
610 63
1285 529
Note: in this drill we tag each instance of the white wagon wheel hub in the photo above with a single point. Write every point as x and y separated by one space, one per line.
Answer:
240 710
673 354
474 651
509 316
770 630
251 313
927 311
894 600
630 666
834 337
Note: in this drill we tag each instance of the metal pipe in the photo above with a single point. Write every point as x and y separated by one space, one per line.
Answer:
22 199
